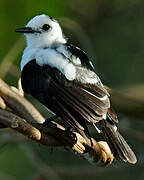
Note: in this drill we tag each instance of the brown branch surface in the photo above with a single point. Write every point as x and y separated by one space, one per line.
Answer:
19 114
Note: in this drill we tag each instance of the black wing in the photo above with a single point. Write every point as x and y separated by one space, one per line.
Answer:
69 100
87 63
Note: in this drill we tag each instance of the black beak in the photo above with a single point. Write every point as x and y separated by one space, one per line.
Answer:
26 30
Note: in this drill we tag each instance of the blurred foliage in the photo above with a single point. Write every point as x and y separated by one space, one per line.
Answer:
111 32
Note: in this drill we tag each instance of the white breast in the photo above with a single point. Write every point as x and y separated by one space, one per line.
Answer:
52 58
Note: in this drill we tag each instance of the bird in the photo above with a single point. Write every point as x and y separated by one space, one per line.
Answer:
62 77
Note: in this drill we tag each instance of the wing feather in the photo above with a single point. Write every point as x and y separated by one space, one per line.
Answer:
54 92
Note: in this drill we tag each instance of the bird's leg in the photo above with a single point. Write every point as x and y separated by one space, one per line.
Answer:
48 121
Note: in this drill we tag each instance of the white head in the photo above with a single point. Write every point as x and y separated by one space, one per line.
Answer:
42 31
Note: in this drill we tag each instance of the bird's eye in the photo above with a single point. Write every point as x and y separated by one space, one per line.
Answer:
46 27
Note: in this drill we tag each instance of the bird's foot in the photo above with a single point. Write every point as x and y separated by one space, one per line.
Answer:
106 153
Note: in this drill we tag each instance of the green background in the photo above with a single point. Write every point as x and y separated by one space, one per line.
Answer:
112 33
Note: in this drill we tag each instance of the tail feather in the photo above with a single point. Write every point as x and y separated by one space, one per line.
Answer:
118 145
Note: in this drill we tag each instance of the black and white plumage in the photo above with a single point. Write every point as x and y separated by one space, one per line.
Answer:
63 79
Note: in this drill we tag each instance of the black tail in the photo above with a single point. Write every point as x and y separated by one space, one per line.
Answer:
116 142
